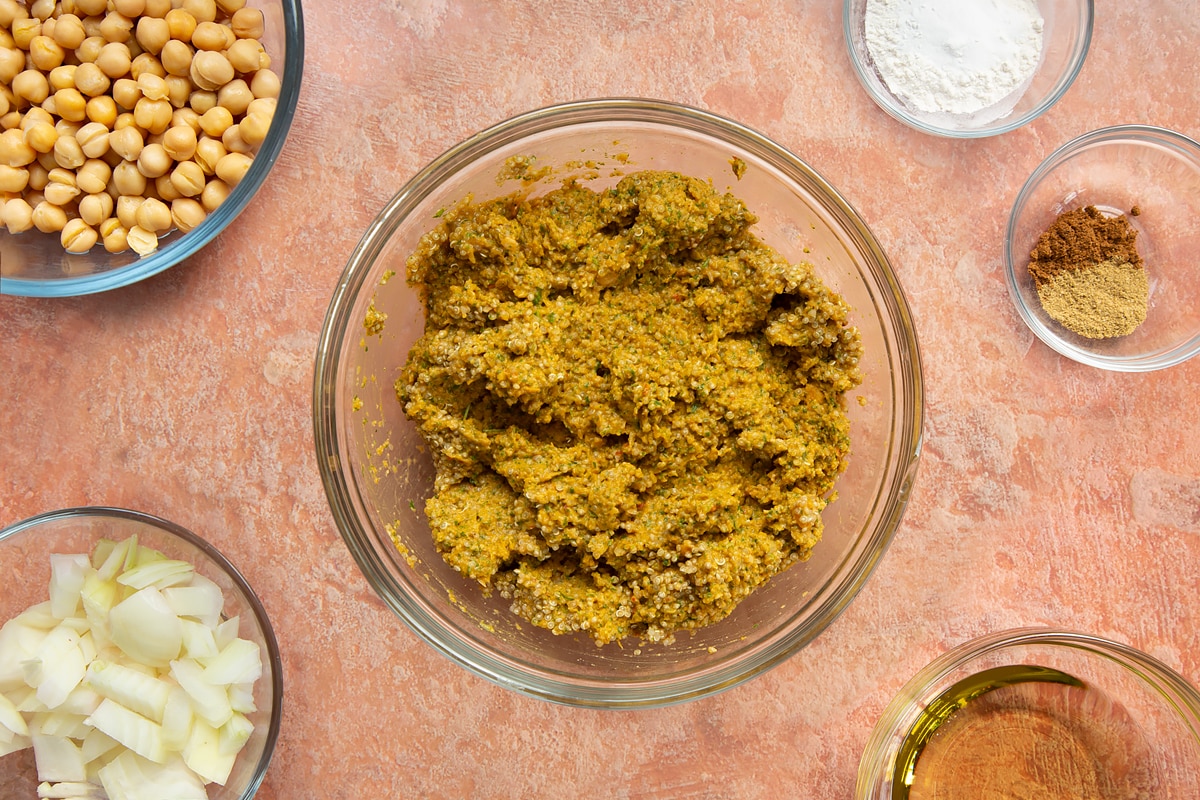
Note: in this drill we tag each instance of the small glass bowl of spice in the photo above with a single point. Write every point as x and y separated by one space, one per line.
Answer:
1037 713
967 68
1102 247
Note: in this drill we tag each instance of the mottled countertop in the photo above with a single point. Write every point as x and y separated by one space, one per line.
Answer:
1049 492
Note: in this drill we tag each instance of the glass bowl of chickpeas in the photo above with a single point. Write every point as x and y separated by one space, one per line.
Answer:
132 132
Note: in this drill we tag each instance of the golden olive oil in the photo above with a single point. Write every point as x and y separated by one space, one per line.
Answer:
1023 732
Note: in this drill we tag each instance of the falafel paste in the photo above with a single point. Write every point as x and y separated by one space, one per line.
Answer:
635 407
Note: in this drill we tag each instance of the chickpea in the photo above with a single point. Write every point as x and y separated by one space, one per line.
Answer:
31 85
114 60
188 178
186 117
61 194
69 32
15 179
209 151
115 240
247 23
142 241
181 24
95 208
234 141
90 8
202 10
117 28
176 58
41 136
91 80
70 105
68 153
152 33
228 7
127 207
93 139
93 177
127 143
45 53
202 101
24 31
235 96
130 8
212 70
152 86
144 63
67 128
179 91
91 24
50 160
12 62
39 176
89 50
165 190
215 121
49 105
157 8
179 142
233 167
265 83
153 115
13 150
209 36
126 93
245 55
10 120
78 237
17 215
187 213
61 77
153 161
102 110
125 120
128 179
48 218
34 116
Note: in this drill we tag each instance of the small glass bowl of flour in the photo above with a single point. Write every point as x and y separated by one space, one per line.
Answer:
967 68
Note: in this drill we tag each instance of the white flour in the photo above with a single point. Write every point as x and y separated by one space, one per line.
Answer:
954 56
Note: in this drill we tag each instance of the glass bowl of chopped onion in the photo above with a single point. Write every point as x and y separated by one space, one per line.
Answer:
169 126
379 472
967 70
135 661
1037 712
1124 306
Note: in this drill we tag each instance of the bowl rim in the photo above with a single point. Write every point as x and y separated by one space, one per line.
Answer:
31 524
889 104
1177 354
343 498
179 248
877 762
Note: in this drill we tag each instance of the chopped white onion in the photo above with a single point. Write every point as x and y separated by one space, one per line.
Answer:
127 683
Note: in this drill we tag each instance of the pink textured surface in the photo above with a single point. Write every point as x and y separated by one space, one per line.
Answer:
1049 493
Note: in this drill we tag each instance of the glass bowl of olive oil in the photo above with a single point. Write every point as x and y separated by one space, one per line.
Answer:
1037 713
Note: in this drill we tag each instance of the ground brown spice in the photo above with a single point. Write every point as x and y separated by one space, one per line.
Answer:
1080 239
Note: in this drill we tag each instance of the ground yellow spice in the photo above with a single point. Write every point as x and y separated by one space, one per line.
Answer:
635 407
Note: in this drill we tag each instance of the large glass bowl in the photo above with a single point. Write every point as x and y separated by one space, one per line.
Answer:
1066 36
1116 169
25 550
1138 719
377 472
34 263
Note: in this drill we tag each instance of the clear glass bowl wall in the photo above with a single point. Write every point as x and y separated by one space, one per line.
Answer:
377 473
